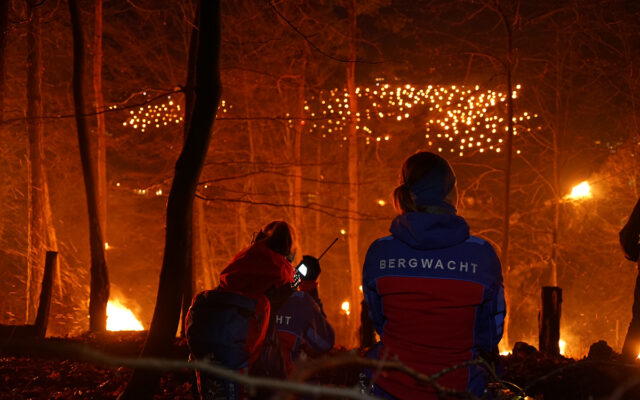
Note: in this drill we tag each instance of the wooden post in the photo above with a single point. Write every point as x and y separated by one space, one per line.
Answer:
42 318
549 320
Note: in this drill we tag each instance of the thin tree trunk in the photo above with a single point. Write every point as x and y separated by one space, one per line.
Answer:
553 259
101 159
508 65
189 100
297 150
37 231
248 185
99 290
180 205
353 233
44 304
317 245
4 32
52 240
205 254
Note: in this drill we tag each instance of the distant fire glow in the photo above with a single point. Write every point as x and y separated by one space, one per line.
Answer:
562 345
580 191
120 318
346 307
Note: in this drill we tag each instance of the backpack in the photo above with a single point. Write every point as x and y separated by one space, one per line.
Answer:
230 326
271 362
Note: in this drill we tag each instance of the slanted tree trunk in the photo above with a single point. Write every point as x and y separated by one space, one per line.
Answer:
36 200
44 305
353 233
101 158
99 290
180 205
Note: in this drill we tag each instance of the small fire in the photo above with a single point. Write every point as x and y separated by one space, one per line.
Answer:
120 318
581 191
346 307
562 345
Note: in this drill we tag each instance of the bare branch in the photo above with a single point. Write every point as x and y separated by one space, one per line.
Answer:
313 206
316 48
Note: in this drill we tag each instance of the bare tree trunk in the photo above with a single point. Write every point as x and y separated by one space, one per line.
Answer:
180 205
297 151
4 30
35 132
189 100
555 132
508 65
353 233
248 185
101 159
99 291
317 245
44 304
205 255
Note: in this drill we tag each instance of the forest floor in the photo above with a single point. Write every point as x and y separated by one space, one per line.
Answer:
37 375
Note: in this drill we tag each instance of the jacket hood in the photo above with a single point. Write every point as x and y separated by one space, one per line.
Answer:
255 270
429 231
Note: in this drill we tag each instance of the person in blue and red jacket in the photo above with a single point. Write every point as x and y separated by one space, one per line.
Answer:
434 292
301 322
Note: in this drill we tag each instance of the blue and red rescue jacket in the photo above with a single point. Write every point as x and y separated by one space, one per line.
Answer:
302 326
436 298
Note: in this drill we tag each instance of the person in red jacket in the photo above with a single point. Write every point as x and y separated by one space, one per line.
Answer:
229 325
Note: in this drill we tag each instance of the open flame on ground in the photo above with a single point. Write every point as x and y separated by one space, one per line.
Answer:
120 318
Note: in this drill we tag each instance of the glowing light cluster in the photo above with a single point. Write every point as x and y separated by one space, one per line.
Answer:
562 346
160 115
155 115
120 318
580 191
457 119
346 307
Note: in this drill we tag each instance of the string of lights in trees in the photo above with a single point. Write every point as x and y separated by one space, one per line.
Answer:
155 115
457 119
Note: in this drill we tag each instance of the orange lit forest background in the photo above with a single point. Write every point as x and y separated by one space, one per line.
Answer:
306 135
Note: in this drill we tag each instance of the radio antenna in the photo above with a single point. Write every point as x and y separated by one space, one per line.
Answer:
327 249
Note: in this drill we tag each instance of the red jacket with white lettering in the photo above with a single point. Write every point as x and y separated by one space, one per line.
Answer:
436 298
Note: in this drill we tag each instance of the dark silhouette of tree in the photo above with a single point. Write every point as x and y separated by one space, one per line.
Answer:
180 206
41 232
101 145
99 287
4 28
